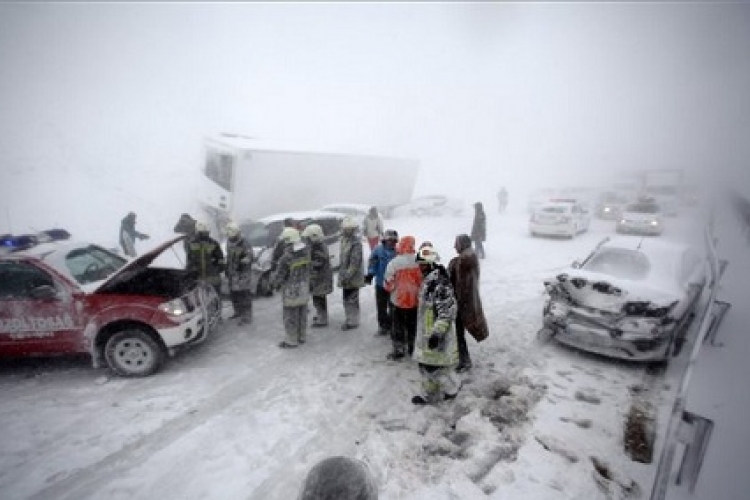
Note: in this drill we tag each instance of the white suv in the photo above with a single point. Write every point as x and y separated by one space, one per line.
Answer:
561 217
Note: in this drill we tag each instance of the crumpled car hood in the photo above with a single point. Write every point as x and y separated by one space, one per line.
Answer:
607 293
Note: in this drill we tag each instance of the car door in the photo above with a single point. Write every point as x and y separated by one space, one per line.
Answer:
39 313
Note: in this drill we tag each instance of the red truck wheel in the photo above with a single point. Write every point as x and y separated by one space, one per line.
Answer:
133 353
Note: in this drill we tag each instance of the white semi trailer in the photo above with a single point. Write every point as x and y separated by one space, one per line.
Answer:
244 181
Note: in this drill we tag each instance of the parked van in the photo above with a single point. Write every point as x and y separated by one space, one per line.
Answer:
264 233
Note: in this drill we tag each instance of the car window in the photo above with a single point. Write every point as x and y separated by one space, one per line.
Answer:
18 279
255 234
620 263
91 263
643 208
329 226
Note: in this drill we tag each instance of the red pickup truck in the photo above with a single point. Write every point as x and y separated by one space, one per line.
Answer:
63 297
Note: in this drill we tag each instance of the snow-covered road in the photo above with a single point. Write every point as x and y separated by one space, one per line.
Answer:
236 417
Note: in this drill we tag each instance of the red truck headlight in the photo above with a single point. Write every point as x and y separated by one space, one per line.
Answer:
174 307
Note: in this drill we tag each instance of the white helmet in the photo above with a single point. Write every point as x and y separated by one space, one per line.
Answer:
427 255
349 222
201 227
233 230
314 232
290 235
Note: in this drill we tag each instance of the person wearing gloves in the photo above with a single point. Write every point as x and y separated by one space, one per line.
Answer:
464 274
380 256
239 273
435 348
128 235
351 271
321 274
292 277
403 278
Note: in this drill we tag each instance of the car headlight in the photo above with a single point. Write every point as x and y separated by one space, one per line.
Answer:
174 307
654 222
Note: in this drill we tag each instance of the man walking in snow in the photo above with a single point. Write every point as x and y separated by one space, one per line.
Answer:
479 229
128 235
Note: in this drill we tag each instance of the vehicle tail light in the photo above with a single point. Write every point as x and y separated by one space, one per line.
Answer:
635 308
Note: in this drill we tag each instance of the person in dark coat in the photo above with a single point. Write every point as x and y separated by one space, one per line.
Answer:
321 274
464 275
339 478
205 262
380 256
239 274
479 229
185 225
128 235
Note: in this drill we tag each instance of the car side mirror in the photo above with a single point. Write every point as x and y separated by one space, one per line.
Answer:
576 265
44 292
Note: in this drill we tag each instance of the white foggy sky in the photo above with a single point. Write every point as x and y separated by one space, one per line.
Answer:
483 94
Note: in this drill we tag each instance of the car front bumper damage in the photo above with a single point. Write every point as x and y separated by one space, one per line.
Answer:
612 335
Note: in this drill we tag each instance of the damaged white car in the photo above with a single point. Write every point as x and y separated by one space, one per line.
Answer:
631 298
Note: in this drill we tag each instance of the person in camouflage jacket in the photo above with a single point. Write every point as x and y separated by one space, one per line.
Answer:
436 348
321 274
239 274
292 278
351 273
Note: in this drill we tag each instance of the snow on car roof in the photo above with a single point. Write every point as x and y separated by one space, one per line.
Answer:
309 214
353 206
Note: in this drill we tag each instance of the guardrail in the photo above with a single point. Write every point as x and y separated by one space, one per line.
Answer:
686 427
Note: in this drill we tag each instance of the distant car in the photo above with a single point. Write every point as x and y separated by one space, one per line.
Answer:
357 210
262 235
66 297
609 205
429 206
559 217
643 217
629 299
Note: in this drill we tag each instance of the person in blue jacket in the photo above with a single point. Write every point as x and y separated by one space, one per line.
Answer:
381 255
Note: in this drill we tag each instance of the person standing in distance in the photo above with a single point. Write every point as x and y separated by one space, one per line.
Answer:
372 227
321 274
128 235
479 229
351 273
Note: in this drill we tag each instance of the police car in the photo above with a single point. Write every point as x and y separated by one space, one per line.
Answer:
59 296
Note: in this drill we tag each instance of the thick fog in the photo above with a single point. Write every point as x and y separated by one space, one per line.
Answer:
484 95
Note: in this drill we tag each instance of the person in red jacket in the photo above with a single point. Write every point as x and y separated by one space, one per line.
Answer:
403 278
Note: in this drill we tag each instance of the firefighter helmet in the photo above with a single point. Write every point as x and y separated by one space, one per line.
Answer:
314 232
290 235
